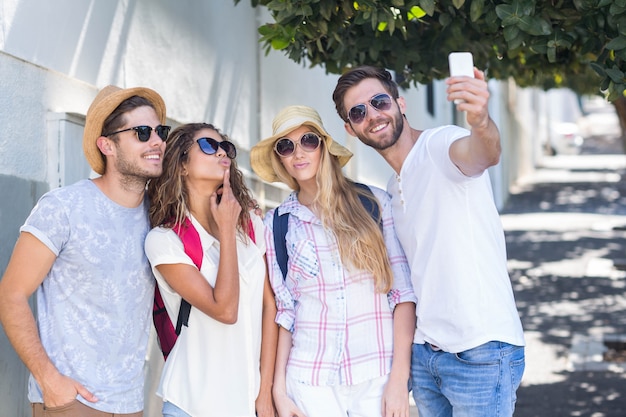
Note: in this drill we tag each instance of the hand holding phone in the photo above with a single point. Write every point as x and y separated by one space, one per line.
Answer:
461 63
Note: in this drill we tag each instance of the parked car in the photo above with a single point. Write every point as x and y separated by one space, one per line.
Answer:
565 139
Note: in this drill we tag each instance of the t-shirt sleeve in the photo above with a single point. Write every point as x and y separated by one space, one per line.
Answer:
163 246
48 222
438 142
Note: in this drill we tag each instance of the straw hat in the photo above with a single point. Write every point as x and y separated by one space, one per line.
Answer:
103 105
287 120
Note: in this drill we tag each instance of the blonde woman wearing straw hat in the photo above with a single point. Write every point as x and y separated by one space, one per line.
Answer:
222 363
81 250
346 307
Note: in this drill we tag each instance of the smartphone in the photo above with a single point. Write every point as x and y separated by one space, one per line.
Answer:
461 63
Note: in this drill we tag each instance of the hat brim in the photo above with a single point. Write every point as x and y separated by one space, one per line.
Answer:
261 153
107 100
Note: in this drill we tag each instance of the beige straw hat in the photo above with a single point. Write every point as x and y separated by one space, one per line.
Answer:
287 120
103 105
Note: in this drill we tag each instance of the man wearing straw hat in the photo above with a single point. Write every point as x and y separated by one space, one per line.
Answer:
81 251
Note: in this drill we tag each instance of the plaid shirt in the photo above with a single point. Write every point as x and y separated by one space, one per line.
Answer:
342 329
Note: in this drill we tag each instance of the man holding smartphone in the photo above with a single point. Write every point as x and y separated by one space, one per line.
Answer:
468 351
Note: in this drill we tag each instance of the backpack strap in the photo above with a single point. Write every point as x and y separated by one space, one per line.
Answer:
251 231
280 244
370 202
368 199
193 248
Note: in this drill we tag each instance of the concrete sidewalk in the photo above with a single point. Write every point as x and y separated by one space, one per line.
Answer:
566 242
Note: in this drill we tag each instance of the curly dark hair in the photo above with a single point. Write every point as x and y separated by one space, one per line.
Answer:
168 194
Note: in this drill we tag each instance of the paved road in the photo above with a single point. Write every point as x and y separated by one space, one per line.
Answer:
565 229
566 242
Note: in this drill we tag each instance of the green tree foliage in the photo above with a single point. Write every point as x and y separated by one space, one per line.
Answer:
545 43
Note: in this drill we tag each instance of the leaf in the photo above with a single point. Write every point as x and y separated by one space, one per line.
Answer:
598 68
265 30
616 9
615 75
621 54
534 25
551 55
516 42
510 32
505 11
458 3
279 44
415 12
476 9
428 6
617 43
444 19
326 10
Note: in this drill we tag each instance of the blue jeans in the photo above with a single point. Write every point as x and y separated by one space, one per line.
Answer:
480 382
170 410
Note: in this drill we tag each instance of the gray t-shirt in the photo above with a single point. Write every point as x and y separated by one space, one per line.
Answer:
94 306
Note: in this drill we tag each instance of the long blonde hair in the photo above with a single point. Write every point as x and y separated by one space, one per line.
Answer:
359 236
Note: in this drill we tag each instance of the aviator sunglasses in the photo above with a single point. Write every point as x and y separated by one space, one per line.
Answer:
380 102
143 132
286 147
210 146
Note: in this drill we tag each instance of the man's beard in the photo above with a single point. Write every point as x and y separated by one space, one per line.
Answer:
387 141
132 173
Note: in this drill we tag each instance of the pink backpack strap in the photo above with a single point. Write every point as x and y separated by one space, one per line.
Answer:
251 231
191 241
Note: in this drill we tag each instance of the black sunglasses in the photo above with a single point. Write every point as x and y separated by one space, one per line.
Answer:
144 132
286 147
209 146
380 102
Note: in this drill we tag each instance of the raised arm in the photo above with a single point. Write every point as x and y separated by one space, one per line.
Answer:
221 301
481 149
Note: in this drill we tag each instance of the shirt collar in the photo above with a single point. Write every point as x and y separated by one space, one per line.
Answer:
292 206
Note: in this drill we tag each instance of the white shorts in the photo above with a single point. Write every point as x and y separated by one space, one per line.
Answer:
360 400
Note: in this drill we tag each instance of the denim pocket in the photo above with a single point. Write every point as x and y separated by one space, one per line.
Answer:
517 365
483 355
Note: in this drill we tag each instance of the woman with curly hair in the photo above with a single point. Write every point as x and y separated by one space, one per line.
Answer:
222 363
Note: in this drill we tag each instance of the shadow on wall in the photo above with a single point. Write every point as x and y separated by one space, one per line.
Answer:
18 198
